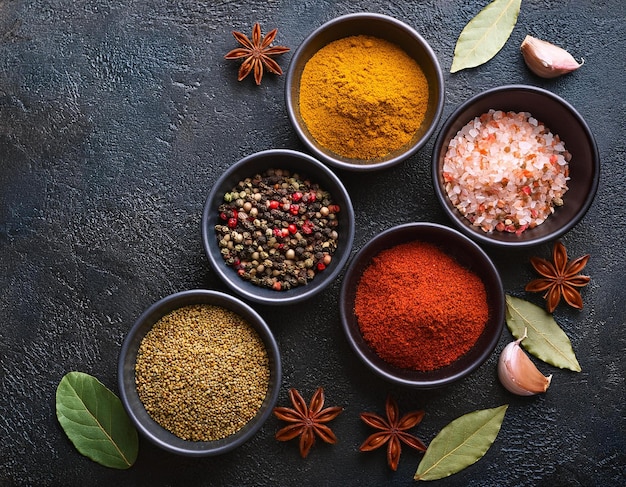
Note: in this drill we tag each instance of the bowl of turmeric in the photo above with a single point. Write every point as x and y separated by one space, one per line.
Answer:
364 92
422 305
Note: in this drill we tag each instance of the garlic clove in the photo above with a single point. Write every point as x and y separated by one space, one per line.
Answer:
547 60
518 373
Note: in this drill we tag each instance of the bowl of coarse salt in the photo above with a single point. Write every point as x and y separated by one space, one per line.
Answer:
515 166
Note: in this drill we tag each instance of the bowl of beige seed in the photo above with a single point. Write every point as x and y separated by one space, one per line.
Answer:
199 373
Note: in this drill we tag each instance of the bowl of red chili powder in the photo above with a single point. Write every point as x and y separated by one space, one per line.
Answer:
515 166
422 305
364 91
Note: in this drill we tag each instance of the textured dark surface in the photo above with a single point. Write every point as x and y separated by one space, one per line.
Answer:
115 120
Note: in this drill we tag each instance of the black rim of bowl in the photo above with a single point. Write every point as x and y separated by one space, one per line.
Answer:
509 240
480 263
292 160
393 25
126 374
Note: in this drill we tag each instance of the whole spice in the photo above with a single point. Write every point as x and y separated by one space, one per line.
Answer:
518 373
95 421
307 422
202 372
418 308
484 35
461 443
547 60
560 278
392 431
546 340
278 230
256 53
363 97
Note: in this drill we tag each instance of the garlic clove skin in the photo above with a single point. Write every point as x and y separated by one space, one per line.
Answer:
518 373
547 60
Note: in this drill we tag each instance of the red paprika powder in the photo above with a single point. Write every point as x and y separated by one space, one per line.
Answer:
418 308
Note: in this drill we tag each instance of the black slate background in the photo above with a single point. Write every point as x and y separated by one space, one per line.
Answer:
116 117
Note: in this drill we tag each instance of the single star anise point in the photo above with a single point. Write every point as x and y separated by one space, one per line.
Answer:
560 278
307 421
393 431
256 53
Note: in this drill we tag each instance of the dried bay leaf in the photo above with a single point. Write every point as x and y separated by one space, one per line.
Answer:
546 340
461 443
95 421
485 34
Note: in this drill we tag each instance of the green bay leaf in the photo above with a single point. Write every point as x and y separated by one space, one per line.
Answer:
546 340
485 34
461 443
95 421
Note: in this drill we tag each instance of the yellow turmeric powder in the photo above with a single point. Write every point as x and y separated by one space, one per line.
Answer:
363 97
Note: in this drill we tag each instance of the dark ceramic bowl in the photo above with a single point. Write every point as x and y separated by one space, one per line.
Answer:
383 27
558 116
126 374
293 161
466 253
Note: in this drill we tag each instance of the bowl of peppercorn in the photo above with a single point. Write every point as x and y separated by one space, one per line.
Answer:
515 166
278 227
199 373
422 305
364 92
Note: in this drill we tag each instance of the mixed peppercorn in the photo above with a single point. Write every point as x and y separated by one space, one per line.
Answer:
278 229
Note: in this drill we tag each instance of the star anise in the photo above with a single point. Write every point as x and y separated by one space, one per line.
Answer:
307 422
257 53
392 432
560 278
